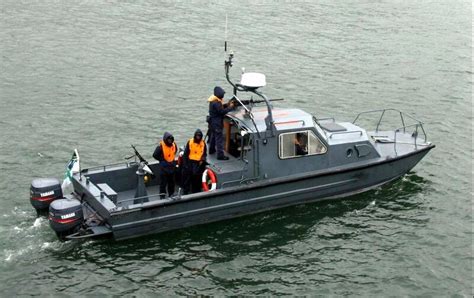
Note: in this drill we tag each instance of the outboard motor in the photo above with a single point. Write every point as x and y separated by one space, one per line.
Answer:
43 191
65 216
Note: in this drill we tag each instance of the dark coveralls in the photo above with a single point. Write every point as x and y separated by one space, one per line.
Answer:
167 169
300 149
193 169
217 111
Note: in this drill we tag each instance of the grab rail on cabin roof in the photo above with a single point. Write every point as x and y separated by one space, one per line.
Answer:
327 118
290 122
316 121
346 132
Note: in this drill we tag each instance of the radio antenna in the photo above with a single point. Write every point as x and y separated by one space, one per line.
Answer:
228 59
225 35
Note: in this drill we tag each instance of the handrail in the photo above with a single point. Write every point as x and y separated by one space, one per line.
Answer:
141 198
288 122
380 120
316 120
249 112
242 104
327 118
402 119
383 112
418 125
346 132
104 167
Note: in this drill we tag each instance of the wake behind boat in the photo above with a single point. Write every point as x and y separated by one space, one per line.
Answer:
278 157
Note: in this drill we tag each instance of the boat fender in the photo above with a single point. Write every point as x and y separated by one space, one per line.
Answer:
209 173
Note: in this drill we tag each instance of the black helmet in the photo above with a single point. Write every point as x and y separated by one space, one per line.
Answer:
219 92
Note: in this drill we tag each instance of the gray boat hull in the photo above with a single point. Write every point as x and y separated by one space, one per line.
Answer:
258 197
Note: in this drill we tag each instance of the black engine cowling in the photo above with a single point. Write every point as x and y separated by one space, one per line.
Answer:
65 216
43 191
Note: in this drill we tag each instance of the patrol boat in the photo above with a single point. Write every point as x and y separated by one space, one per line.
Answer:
278 157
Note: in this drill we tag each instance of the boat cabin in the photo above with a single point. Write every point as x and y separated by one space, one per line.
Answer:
295 142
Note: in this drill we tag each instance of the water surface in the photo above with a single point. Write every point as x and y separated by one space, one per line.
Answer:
100 75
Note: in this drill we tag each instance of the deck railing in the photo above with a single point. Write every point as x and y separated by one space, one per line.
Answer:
141 200
418 125
415 133
112 165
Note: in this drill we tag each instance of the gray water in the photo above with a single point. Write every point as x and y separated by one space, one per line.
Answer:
100 75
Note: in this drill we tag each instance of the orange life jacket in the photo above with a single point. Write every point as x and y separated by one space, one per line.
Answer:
196 150
168 152
213 98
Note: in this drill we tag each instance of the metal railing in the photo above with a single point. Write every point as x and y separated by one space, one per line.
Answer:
326 118
346 132
382 114
112 165
415 133
290 122
141 200
316 120
418 125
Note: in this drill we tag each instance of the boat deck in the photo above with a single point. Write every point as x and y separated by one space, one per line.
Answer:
390 145
224 166
126 198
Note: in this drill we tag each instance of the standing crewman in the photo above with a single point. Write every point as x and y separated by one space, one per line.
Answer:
165 153
194 161
217 111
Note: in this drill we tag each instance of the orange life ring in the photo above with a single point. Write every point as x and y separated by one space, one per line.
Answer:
209 173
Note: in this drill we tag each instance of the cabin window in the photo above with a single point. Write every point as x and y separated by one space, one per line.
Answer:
300 143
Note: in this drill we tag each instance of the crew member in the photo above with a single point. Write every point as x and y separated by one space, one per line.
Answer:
165 153
300 146
217 111
194 161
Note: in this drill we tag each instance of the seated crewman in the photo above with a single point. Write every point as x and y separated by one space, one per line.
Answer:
300 146
194 161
